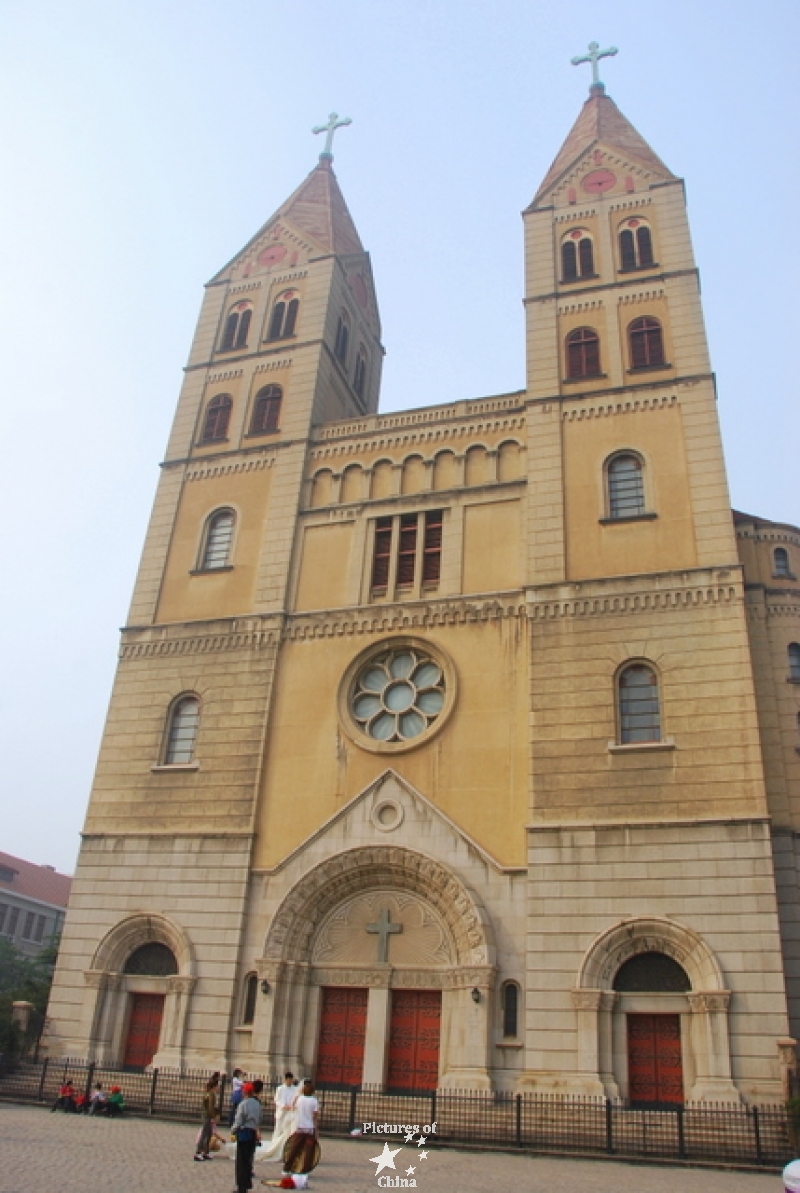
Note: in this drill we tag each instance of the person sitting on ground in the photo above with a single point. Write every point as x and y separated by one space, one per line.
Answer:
66 1098
98 1100
116 1102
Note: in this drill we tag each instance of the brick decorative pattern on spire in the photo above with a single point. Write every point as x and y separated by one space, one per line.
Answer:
601 120
318 208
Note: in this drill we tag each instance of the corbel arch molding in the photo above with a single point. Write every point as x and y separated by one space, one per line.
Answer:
649 934
299 916
127 936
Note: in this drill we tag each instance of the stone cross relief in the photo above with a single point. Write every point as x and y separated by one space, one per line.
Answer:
383 930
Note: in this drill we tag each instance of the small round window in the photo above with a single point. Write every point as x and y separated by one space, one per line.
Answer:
397 695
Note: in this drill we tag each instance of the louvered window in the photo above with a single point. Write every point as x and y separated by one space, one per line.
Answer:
360 376
432 551
646 343
583 353
182 733
639 712
237 326
218 416
625 487
398 541
635 246
342 339
219 537
577 256
284 317
382 555
407 551
266 410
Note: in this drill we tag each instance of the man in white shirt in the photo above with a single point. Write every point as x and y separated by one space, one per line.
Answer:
302 1145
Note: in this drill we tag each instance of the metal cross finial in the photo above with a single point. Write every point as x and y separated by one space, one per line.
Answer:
330 128
594 56
384 928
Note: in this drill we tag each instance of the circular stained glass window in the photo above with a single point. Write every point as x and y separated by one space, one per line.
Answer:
398 694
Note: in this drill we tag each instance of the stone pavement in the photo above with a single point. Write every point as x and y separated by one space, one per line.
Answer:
59 1153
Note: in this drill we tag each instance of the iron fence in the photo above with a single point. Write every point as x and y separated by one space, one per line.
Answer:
711 1133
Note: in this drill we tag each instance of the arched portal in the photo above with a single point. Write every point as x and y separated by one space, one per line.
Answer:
142 976
657 981
368 937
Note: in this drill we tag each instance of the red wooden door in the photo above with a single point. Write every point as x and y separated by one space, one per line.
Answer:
655 1067
144 1029
342 1029
414 1039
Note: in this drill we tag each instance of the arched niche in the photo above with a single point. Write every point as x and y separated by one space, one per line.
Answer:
353 483
702 1006
413 476
322 488
445 471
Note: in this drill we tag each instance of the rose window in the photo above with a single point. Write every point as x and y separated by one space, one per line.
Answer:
398 694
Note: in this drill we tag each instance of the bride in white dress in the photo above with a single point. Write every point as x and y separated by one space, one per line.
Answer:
285 1117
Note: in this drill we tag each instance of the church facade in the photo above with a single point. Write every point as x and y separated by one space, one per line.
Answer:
457 746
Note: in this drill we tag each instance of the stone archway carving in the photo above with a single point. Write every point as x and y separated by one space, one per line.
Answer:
594 1000
369 868
107 988
118 944
286 1031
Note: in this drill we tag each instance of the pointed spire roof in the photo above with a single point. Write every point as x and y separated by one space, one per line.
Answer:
318 208
601 120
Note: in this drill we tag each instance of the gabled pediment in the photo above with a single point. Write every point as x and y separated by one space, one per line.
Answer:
602 139
391 812
314 221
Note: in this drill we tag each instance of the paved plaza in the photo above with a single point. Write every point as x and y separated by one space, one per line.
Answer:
72 1154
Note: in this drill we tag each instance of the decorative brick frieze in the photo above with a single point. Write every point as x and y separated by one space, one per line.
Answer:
199 472
624 406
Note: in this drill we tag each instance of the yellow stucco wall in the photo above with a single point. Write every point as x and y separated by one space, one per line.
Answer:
475 768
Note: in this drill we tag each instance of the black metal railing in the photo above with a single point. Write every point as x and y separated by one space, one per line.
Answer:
710 1133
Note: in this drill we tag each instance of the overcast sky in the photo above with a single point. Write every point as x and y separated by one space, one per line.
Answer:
142 142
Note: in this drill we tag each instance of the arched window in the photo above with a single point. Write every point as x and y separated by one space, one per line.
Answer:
218 416
237 326
638 704
266 410
780 562
509 1001
646 343
249 998
360 376
583 353
635 245
651 973
218 541
577 256
625 486
794 661
284 316
152 960
184 719
342 338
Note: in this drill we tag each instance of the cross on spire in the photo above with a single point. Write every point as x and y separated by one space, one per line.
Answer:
384 929
594 56
330 128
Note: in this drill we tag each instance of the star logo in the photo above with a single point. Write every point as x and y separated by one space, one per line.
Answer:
422 1140
422 1156
409 1136
410 1171
385 1159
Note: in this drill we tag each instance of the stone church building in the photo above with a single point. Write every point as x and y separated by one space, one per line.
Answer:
458 746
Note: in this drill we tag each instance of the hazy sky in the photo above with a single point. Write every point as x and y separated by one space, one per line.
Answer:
142 142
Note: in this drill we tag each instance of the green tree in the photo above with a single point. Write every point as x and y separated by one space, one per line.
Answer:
26 979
